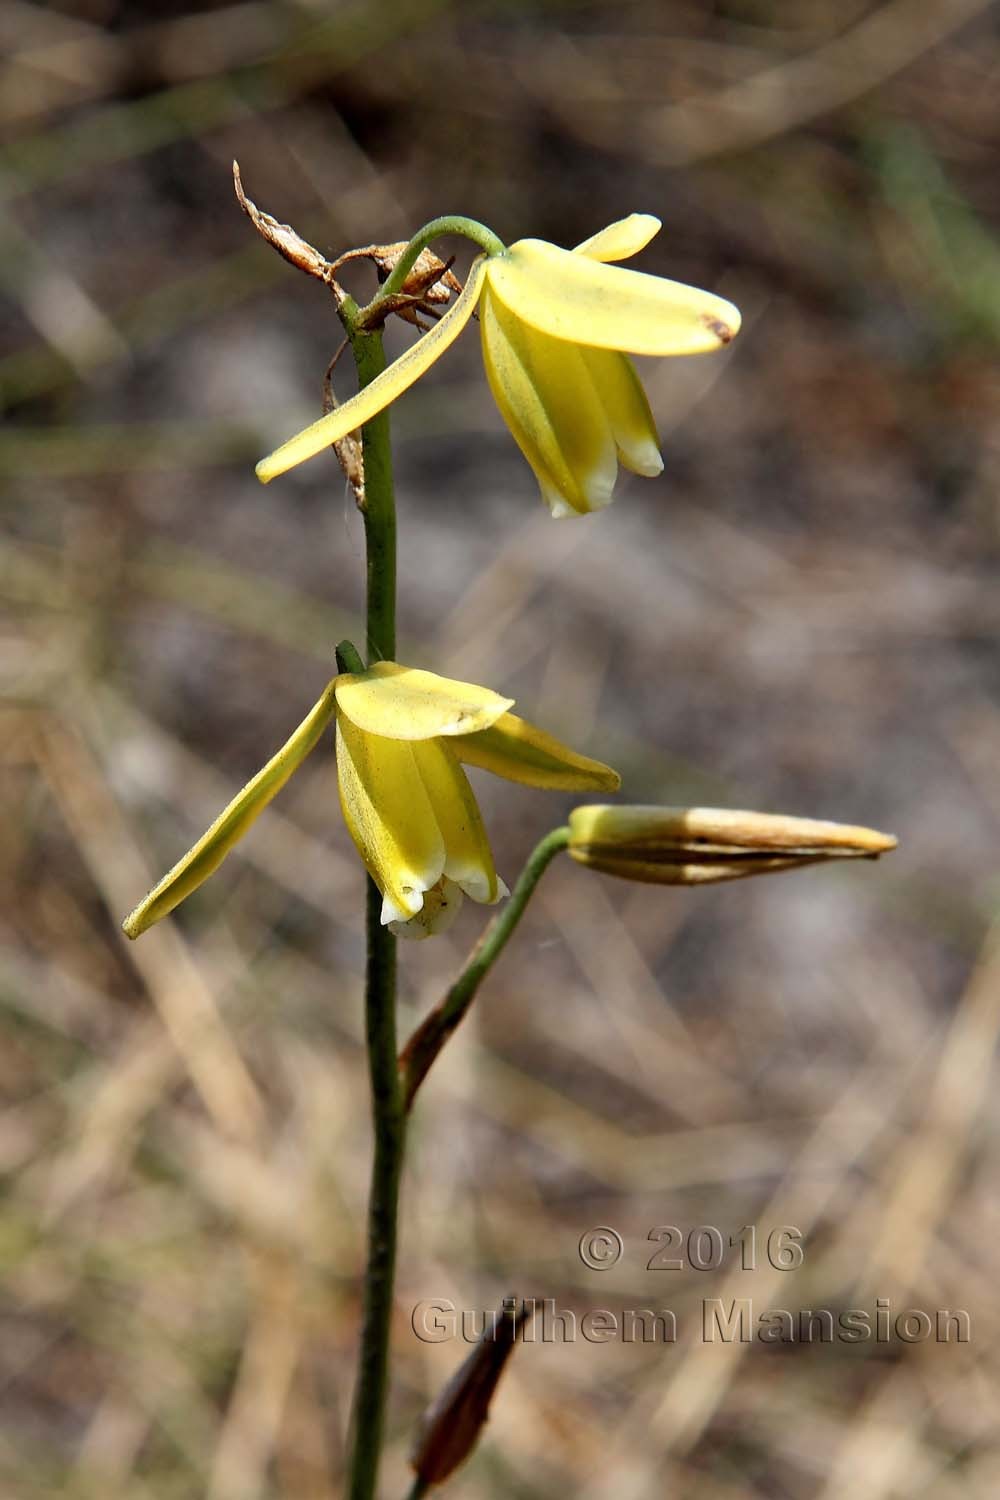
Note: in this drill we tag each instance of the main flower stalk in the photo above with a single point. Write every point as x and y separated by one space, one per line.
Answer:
379 509
388 1112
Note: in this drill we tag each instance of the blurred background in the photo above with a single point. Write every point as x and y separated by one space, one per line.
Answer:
800 615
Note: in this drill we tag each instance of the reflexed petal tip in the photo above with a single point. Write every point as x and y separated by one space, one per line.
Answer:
696 845
619 241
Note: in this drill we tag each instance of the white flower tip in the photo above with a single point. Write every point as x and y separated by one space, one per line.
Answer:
645 460
478 884
559 507
598 492
391 912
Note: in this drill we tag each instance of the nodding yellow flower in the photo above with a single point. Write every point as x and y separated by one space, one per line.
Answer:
557 328
402 738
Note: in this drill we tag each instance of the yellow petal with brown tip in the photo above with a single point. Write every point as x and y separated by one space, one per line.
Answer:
572 297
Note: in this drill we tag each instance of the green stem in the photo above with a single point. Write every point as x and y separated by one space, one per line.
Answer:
417 1489
388 1114
449 224
379 509
431 1035
389 1124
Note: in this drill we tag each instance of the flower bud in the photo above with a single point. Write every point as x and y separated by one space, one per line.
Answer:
697 845
450 1427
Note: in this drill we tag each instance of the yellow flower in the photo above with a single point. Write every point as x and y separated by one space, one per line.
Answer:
402 737
557 328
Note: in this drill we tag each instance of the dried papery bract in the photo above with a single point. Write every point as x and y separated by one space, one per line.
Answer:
428 285
348 448
701 845
286 240
449 1429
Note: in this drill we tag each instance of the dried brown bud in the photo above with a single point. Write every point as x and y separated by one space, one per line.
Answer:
450 1427
697 845
429 283
429 278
